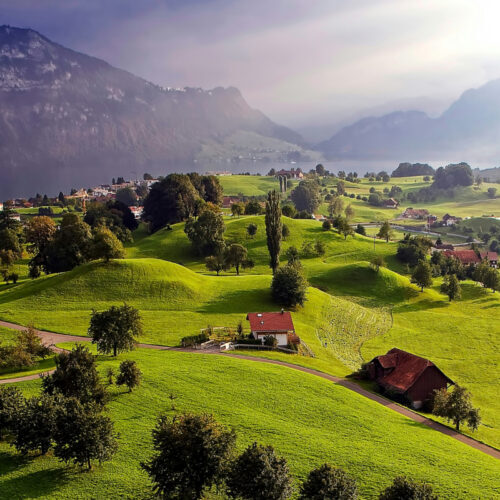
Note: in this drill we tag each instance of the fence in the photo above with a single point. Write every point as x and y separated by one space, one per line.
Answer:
264 348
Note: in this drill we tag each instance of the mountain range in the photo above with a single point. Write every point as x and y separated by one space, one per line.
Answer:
468 130
71 120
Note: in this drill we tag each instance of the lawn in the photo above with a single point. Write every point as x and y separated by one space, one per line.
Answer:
248 185
308 420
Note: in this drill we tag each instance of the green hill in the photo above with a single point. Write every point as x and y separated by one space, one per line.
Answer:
307 419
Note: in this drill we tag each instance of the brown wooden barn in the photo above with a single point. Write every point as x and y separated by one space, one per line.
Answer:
410 377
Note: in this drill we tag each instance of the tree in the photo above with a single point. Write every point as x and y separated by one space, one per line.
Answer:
75 376
385 231
35 425
349 212
288 210
206 233
218 261
192 453
404 488
105 245
83 434
307 196
320 169
170 200
377 262
273 229
251 230
126 196
293 256
258 474
9 241
455 406
374 199
7 220
340 188
451 287
237 209
411 249
344 227
360 229
327 225
327 482
147 177
129 374
29 341
336 206
253 208
39 231
452 175
11 403
491 279
289 286
116 329
422 275
492 192
235 256
285 231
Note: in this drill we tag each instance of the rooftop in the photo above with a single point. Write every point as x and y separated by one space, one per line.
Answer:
270 321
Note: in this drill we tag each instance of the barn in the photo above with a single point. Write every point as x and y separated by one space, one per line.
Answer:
406 376
276 324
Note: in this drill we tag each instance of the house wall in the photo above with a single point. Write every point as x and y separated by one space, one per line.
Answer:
423 388
282 338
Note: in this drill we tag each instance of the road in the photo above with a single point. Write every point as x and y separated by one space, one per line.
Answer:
51 338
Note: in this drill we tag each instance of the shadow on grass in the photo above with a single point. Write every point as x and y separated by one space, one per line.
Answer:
240 301
37 484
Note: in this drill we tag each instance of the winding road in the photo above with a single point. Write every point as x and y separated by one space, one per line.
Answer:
51 338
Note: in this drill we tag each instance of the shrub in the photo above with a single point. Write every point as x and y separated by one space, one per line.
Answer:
404 488
327 225
328 482
191 340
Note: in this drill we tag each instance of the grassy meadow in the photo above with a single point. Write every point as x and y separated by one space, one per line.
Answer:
308 420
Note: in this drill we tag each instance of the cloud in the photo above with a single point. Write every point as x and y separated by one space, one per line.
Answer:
299 61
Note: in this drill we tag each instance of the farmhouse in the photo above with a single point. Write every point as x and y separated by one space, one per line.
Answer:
391 203
450 220
276 324
415 213
227 201
411 377
466 257
443 246
490 257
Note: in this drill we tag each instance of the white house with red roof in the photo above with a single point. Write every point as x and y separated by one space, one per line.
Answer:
276 324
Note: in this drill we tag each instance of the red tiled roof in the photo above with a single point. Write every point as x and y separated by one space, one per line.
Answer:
488 255
407 369
270 322
464 256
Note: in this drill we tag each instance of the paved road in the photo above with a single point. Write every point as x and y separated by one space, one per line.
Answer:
51 338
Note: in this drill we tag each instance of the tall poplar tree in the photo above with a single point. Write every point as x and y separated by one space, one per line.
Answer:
273 228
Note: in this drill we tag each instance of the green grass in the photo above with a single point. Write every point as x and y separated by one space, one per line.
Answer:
308 420
8 337
462 338
248 185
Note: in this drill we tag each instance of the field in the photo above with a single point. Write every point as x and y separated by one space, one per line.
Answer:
308 420
352 314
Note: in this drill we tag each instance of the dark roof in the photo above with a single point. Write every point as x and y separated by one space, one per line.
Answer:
270 321
407 369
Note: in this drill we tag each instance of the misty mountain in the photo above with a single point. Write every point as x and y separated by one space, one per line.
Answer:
68 119
468 129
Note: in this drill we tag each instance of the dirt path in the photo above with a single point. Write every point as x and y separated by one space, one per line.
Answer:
51 338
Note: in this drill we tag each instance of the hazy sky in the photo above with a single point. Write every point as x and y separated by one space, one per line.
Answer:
299 61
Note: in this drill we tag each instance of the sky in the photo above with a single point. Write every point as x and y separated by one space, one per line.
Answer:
304 63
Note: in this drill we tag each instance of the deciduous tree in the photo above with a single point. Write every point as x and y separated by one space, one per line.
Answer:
206 233
251 230
385 231
192 453
289 286
456 406
116 329
422 275
327 482
105 245
407 489
451 287
235 256
129 374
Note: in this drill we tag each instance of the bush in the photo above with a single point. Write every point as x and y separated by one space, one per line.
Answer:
191 340
270 341
404 488
327 225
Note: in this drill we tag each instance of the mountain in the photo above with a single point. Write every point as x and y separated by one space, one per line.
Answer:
68 119
469 128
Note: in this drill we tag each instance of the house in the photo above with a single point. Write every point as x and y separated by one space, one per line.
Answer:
293 173
412 378
391 203
277 324
490 257
466 257
137 211
415 213
227 201
319 218
450 220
